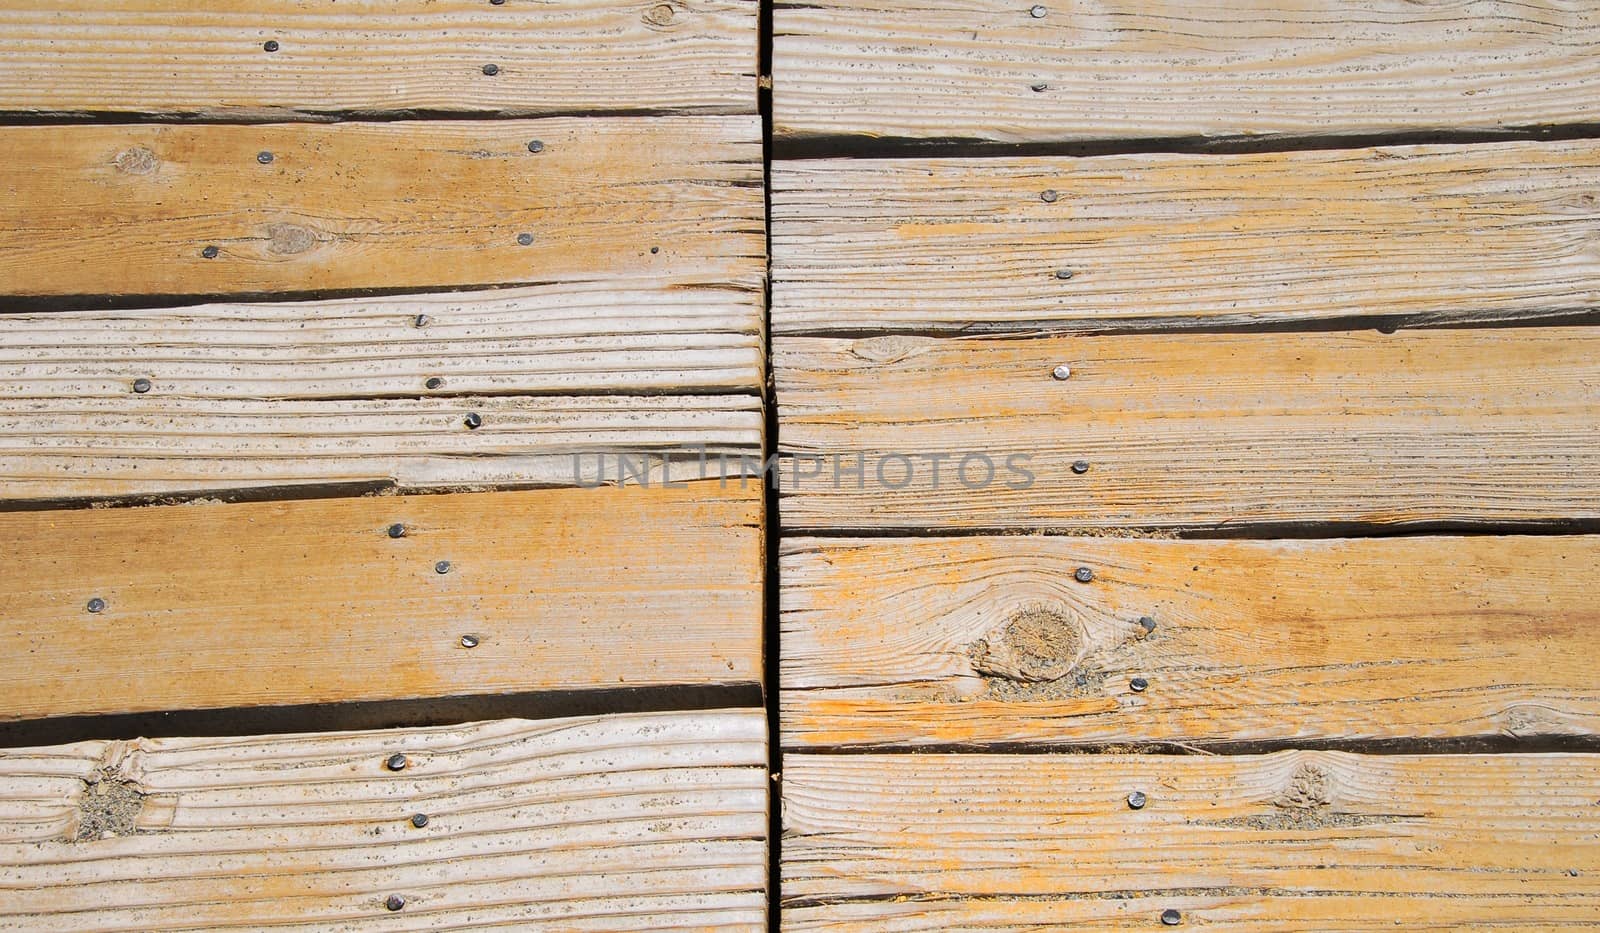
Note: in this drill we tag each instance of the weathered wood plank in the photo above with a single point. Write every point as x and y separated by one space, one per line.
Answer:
280 603
142 445
1503 839
650 821
122 210
978 640
627 336
173 56
1421 233
1062 71
1219 430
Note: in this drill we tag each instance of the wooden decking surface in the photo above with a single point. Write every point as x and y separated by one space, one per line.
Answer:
1153 483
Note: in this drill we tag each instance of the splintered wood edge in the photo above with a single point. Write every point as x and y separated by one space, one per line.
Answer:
377 599
993 641
609 822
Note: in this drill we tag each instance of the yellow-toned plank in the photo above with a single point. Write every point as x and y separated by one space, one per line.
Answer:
976 640
1418 233
627 336
142 445
278 603
192 210
1207 431
213 60
1072 70
649 821
1285 841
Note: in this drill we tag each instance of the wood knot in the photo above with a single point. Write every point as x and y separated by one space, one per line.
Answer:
1311 788
136 161
289 239
661 15
1036 644
890 348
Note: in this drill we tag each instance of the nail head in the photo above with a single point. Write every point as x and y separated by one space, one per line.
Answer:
1138 684
491 69
1048 195
1147 623
1171 918
1136 800
434 382
525 239
1083 575
264 157
1080 467
473 420
141 386
419 820
1061 373
1064 274
535 145
396 762
1039 87
442 566
1037 12
271 45
469 641
395 902
210 252
96 605
397 530
421 320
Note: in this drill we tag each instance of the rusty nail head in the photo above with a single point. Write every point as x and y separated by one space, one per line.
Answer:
1083 575
264 157
1037 12
434 382
1061 373
1048 195
442 566
141 386
96 605
1136 800
395 902
1080 466
524 239
396 762
1147 623
1138 684
473 420
469 641
271 45
1171 918
491 69
210 252
419 820
397 530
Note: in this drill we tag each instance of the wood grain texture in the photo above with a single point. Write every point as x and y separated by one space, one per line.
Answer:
131 210
1193 431
988 70
1419 233
144 445
649 821
980 640
280 603
627 337
1286 841
173 56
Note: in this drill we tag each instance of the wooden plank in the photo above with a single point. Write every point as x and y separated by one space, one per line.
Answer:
1152 69
172 56
1419 233
125 210
281 603
648 821
982 640
1045 839
627 336
1220 430
144 445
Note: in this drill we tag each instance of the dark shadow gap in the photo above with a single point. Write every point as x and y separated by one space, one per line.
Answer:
309 115
1273 530
375 714
894 147
772 537
1470 745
